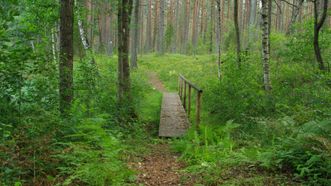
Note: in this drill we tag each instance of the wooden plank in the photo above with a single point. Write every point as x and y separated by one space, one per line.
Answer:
173 118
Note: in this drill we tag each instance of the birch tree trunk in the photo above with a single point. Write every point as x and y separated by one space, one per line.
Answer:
265 45
53 46
83 36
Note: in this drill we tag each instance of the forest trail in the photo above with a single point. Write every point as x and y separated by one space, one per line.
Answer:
173 118
161 166
155 81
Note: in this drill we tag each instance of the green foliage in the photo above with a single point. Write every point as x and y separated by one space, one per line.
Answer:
93 155
206 149
299 46
274 132
286 131
169 34
306 152
207 144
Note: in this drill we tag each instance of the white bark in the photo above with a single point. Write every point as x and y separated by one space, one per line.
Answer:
82 34
53 46
265 44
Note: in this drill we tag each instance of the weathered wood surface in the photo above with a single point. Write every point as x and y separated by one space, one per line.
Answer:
173 118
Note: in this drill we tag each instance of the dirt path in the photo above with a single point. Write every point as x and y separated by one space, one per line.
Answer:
156 82
161 167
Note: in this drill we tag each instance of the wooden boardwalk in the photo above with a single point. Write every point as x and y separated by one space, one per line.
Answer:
173 119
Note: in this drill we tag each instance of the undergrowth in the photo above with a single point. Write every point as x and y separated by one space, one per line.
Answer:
277 138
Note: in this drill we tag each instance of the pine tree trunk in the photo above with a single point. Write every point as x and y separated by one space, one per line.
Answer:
236 25
89 18
141 28
156 16
66 56
195 25
176 34
124 12
211 31
295 12
160 38
149 27
186 25
135 27
219 24
107 30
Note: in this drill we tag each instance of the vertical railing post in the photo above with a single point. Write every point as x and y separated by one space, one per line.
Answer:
189 101
181 88
198 108
184 93
179 85
184 102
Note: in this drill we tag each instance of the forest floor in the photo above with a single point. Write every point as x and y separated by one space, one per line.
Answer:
156 82
161 165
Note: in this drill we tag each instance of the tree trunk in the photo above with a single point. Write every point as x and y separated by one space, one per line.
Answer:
107 30
89 18
186 25
219 24
53 46
222 21
176 34
135 24
252 21
236 25
156 16
318 23
295 12
141 30
66 56
195 25
124 12
211 32
265 44
160 43
149 27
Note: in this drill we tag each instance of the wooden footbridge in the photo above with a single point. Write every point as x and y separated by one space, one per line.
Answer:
176 109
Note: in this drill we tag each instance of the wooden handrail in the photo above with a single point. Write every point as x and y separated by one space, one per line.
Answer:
192 85
182 90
